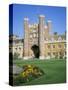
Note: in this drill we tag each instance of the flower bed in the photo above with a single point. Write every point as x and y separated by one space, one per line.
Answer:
28 73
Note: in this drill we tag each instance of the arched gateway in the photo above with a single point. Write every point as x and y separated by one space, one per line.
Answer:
35 50
34 38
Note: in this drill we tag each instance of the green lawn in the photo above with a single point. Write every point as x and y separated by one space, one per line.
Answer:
55 70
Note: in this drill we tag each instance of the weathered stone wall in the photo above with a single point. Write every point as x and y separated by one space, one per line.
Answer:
26 38
41 36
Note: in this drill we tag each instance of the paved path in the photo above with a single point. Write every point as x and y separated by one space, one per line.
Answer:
16 69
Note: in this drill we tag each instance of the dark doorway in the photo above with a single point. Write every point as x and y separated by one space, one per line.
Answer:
35 50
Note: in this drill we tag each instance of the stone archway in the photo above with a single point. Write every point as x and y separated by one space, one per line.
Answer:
35 50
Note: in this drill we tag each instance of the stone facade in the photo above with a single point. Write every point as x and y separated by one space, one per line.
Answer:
16 46
39 41
40 35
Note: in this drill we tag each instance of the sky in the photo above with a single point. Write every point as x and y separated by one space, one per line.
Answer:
56 14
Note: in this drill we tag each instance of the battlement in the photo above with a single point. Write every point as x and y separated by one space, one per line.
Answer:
33 25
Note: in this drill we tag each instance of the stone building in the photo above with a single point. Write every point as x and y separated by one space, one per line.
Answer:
15 46
39 41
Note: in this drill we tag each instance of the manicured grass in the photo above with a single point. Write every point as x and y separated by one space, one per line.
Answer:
55 71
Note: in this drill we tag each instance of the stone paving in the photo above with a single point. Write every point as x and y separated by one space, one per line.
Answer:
16 69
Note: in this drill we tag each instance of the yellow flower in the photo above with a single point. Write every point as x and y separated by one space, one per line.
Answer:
29 66
23 74
30 70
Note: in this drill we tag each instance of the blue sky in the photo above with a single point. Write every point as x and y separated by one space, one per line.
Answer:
56 14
